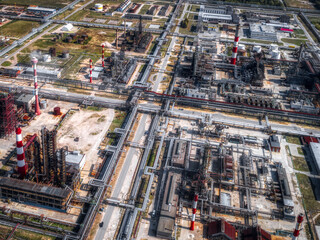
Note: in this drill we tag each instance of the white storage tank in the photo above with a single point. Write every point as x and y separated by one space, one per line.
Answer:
98 7
241 47
275 54
274 47
256 49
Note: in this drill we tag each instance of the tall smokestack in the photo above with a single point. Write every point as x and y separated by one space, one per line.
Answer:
102 55
90 74
194 210
235 46
37 107
22 166
296 231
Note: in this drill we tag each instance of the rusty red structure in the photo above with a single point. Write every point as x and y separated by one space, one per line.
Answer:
7 115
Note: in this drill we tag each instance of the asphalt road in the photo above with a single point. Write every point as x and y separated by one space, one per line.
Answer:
121 179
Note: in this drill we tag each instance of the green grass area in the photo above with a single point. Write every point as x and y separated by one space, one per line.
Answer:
152 155
21 234
187 30
300 151
292 139
44 43
42 3
24 59
118 120
310 202
18 28
195 8
298 31
6 64
315 21
299 4
259 41
300 164
297 42
144 9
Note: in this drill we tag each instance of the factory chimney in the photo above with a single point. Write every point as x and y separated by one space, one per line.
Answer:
90 74
102 55
235 46
296 231
22 166
194 210
37 107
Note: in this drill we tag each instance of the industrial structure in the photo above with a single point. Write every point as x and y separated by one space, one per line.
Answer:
7 114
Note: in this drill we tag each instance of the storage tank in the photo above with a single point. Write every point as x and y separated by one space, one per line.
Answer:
274 47
275 54
241 47
56 111
98 7
256 49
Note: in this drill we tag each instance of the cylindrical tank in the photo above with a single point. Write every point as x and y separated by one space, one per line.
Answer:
65 54
256 49
275 54
241 47
98 7
43 104
56 111
273 47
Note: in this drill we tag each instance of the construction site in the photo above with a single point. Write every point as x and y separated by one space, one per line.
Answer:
159 120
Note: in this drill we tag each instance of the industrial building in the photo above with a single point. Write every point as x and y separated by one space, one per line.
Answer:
33 193
41 10
124 5
221 230
44 72
25 101
7 115
119 67
169 206
275 143
76 159
315 153
263 32
221 15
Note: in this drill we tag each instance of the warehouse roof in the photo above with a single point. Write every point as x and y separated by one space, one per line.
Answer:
315 148
216 16
34 187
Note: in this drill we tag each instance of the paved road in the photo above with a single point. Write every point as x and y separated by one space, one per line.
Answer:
304 29
122 178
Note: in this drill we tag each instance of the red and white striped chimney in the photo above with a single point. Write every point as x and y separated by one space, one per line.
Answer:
102 55
22 166
90 74
194 210
235 46
36 107
296 231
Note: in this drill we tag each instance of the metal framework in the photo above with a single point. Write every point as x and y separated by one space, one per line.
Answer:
7 115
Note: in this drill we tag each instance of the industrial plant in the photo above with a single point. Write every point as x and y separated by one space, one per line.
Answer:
159 120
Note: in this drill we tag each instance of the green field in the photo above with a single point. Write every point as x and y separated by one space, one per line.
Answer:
299 163
259 41
41 3
310 202
297 42
144 9
294 140
18 28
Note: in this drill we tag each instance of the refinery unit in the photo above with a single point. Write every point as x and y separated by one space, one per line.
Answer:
164 120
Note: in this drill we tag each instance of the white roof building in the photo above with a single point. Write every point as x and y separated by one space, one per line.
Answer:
76 159
67 28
